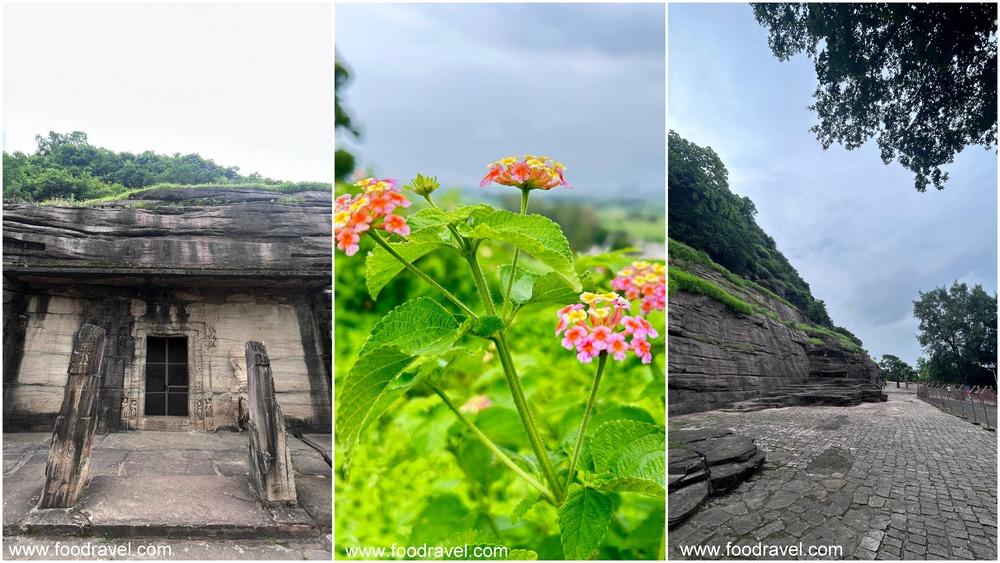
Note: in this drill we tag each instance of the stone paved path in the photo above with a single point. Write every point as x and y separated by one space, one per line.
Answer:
150 482
894 480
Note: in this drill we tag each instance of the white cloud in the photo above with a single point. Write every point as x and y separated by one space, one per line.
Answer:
243 84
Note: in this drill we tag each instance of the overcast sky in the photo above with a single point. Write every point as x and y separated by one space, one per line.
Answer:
244 85
445 89
856 230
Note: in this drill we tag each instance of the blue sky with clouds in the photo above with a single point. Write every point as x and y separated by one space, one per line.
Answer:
856 229
444 89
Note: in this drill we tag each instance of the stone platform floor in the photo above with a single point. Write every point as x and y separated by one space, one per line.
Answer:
182 485
894 480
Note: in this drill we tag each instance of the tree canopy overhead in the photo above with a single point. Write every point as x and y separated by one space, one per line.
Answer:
920 79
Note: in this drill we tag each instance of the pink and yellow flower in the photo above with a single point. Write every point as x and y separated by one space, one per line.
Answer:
598 325
527 173
644 281
476 403
355 214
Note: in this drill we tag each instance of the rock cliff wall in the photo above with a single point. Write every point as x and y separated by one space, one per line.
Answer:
718 357
175 232
217 266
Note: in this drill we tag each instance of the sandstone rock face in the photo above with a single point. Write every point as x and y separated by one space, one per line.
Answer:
706 462
73 437
169 233
718 357
215 266
270 461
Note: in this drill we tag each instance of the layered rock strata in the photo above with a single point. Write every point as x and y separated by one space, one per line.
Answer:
69 451
217 266
718 357
706 462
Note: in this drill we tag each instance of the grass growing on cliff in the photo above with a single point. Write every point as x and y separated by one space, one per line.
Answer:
820 332
680 280
684 253
281 187
684 281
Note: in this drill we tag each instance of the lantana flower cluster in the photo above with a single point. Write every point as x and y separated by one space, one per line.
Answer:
643 280
600 324
355 214
527 173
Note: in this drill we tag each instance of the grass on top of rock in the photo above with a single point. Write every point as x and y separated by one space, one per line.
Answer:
685 281
681 280
681 252
281 188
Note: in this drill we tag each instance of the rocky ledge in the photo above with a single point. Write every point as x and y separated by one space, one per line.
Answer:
719 357
706 462
170 234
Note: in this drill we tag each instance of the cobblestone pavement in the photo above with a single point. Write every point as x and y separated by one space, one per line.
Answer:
894 480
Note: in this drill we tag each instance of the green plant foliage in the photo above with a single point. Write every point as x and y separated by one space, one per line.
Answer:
958 330
411 469
680 280
918 78
628 456
382 266
583 520
67 168
705 215
537 235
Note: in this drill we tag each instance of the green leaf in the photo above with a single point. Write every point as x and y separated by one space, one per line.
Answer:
444 515
416 329
620 412
503 426
467 212
365 385
551 288
524 282
628 456
381 266
487 326
523 507
419 326
428 217
583 521
534 234
477 460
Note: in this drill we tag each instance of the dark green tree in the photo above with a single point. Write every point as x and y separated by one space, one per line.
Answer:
67 165
920 79
703 213
344 162
958 330
895 369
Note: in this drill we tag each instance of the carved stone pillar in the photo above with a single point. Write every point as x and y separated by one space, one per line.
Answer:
73 436
270 461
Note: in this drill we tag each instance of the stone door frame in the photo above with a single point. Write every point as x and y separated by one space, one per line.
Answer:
201 339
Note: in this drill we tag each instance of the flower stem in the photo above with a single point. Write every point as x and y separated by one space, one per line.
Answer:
524 410
601 361
458 237
517 254
420 273
490 445
477 274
